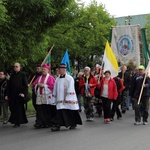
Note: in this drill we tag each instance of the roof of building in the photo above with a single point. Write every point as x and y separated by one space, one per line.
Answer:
136 19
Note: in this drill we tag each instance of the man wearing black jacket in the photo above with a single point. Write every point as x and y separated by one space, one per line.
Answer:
126 81
3 101
144 100
37 74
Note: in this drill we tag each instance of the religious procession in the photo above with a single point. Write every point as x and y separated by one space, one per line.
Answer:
106 89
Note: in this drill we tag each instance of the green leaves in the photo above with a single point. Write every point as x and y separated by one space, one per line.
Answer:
23 26
29 28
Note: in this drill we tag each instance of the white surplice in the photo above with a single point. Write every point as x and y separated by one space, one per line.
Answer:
64 94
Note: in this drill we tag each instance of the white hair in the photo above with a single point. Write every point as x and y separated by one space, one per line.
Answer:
87 68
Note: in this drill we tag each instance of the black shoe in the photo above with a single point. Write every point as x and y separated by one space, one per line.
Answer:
80 110
72 127
123 111
119 117
55 128
45 126
37 126
16 126
111 119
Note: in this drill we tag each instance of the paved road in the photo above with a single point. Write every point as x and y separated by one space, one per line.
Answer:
119 135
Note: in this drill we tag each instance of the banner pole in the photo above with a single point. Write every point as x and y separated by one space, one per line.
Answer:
47 55
141 89
100 71
41 64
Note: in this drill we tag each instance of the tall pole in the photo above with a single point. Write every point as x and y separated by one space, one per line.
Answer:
41 65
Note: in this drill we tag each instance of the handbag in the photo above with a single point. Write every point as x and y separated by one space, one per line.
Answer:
27 98
87 93
97 92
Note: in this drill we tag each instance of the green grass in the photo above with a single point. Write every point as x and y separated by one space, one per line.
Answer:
30 109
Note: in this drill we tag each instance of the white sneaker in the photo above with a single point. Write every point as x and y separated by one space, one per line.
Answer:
137 123
87 119
5 122
144 123
91 118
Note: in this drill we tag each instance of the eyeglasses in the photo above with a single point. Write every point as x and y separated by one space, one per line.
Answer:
1 74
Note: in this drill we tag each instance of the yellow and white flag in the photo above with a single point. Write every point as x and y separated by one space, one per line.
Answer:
110 61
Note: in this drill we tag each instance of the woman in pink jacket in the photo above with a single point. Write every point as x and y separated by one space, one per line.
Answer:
108 92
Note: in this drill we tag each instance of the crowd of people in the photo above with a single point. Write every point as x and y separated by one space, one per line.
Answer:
58 99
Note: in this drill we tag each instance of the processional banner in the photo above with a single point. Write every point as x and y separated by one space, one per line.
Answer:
126 44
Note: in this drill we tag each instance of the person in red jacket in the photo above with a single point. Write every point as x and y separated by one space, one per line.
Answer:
108 92
87 83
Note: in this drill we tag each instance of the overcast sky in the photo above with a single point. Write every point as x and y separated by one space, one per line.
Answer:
119 8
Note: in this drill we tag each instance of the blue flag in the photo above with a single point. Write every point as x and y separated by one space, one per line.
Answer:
66 61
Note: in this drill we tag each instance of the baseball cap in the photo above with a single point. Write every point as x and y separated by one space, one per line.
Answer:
141 67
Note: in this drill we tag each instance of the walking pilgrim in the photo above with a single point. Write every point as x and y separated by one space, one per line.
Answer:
66 101
43 87
141 97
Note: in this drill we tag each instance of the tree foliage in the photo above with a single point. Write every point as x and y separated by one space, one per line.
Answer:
29 28
83 32
22 34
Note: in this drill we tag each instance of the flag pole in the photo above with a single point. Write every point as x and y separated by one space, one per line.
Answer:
100 71
41 64
47 55
142 89
147 71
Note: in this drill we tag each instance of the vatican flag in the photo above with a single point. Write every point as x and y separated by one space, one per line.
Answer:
110 61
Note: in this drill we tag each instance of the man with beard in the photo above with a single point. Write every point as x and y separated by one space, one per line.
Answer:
37 74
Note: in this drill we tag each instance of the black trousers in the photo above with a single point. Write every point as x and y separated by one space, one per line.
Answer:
115 108
123 99
106 107
141 110
35 106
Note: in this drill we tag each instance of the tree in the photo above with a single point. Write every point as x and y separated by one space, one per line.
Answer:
31 27
23 33
83 32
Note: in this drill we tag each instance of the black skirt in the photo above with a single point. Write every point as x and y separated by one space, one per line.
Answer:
44 114
66 117
18 114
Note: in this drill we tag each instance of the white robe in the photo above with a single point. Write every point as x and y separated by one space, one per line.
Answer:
64 93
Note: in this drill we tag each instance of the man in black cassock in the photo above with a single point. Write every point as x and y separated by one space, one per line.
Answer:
16 90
